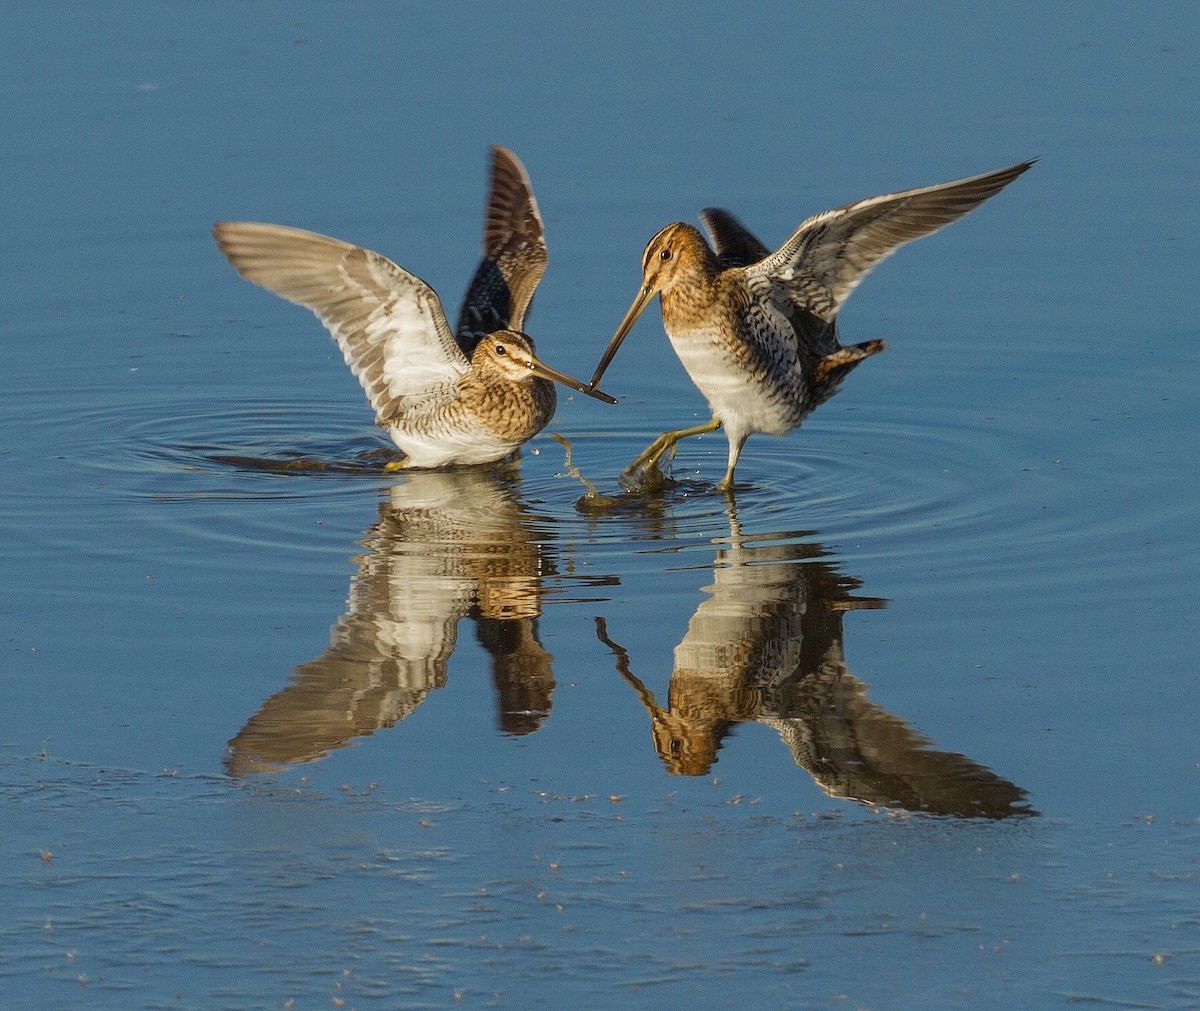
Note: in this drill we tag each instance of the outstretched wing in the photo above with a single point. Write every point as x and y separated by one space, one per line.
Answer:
514 256
826 257
388 323
734 244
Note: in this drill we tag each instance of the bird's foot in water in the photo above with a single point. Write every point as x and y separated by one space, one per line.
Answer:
648 480
645 473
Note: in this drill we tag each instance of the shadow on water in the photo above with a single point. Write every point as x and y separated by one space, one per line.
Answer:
447 545
767 646
370 461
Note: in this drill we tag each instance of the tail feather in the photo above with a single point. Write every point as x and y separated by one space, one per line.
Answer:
834 367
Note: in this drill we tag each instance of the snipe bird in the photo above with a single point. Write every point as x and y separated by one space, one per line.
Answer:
757 331
468 397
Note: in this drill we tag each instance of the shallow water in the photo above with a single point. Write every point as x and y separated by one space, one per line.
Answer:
909 723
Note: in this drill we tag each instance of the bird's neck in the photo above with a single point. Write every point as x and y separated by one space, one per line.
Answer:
693 280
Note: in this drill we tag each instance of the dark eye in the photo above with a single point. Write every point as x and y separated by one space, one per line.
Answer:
501 349
665 254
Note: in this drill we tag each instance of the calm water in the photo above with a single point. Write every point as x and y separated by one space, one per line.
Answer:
911 724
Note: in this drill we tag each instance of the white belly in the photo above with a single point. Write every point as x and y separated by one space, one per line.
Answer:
743 399
450 447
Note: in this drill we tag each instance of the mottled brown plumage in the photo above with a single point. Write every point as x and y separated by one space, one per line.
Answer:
757 333
444 399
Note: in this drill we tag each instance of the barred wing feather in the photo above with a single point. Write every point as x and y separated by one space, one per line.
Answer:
514 256
831 252
388 323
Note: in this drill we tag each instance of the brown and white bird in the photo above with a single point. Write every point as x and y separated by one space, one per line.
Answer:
469 397
756 331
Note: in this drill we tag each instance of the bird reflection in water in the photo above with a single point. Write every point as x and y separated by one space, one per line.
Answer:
766 646
447 544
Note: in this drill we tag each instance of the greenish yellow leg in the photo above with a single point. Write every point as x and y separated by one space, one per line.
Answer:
649 457
735 450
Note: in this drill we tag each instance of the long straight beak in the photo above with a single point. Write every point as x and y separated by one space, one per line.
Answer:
541 369
639 304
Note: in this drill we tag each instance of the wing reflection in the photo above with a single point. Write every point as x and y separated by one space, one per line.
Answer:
766 645
447 544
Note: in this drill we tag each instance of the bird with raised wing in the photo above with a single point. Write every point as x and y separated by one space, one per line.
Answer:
757 331
469 397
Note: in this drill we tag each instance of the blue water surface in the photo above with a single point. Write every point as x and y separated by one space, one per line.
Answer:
909 723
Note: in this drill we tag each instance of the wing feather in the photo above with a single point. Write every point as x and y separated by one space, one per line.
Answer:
388 323
514 256
831 252
734 244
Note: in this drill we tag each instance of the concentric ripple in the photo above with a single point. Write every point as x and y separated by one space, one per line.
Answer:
278 438
928 490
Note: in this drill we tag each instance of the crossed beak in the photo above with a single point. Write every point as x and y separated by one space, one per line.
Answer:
539 368
644 295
